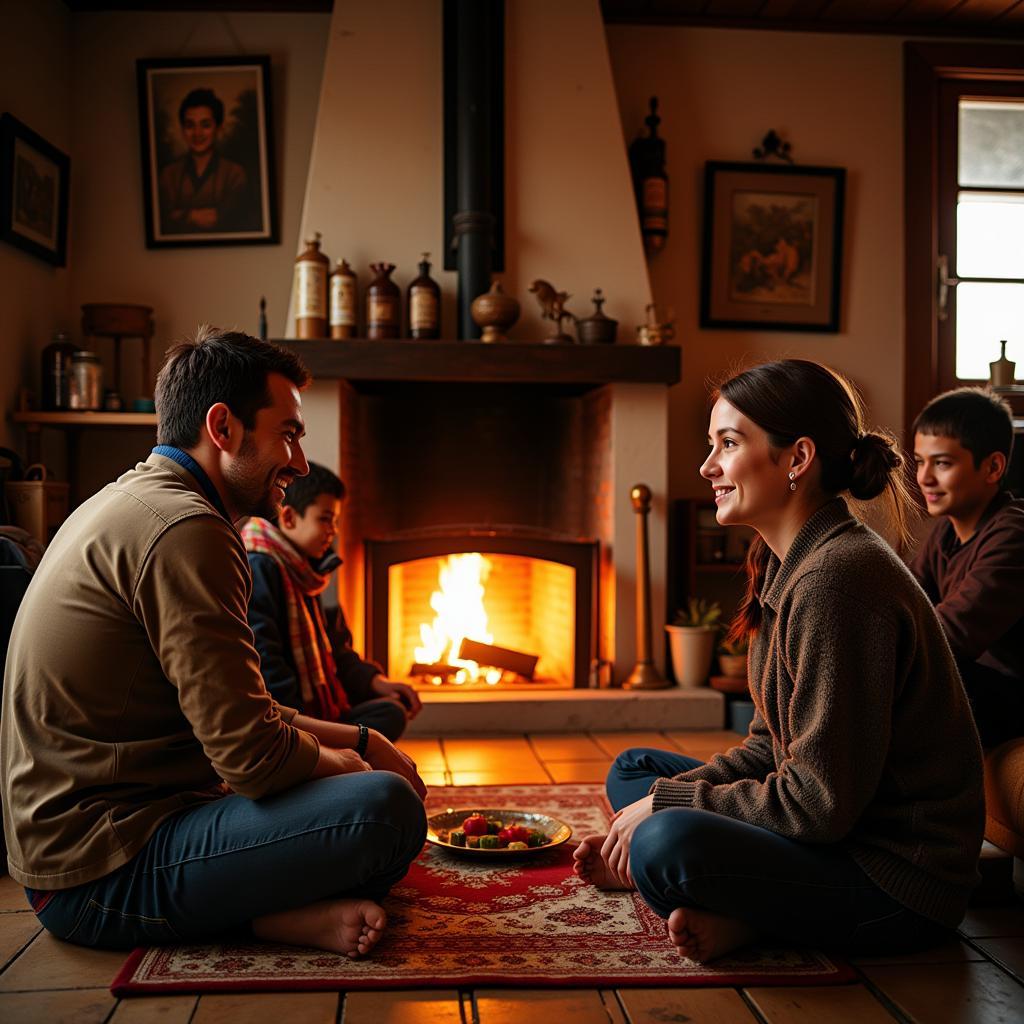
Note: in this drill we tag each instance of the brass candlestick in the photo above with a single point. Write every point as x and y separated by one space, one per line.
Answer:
645 676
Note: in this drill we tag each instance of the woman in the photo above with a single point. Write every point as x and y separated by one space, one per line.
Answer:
851 815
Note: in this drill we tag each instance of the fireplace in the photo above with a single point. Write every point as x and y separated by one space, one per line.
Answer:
526 592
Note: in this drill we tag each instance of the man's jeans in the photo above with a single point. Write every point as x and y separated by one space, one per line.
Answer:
212 869
799 892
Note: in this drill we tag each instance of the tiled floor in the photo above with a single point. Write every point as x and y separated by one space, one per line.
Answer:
977 980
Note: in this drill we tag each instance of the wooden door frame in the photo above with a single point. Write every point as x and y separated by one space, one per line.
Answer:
925 67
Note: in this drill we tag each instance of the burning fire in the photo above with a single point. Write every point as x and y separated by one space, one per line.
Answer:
460 613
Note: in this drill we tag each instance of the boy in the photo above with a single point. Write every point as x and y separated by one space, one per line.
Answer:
972 565
300 665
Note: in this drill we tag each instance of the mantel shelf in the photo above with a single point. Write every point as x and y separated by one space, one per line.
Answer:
457 362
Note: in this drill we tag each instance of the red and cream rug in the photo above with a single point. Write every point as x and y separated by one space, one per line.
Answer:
461 923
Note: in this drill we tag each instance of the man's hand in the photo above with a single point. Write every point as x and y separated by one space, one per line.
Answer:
615 851
386 757
402 692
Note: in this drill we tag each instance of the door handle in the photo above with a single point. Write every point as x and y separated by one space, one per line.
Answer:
943 283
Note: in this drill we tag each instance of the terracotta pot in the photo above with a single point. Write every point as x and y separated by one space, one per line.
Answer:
495 312
733 665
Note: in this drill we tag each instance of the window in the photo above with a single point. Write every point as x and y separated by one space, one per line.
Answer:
964 215
981 228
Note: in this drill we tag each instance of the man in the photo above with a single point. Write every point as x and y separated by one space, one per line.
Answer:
972 565
202 190
153 790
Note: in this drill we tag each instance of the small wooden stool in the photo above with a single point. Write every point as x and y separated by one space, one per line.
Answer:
117 321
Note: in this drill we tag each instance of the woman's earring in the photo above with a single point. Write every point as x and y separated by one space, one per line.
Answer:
792 480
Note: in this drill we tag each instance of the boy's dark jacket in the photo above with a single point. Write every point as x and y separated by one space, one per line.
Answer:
268 619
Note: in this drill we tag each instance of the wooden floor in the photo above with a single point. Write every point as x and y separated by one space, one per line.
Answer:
978 979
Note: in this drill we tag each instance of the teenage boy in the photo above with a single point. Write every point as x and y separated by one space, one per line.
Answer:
972 564
153 790
300 665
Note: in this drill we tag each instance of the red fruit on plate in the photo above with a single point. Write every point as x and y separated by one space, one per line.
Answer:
475 825
514 834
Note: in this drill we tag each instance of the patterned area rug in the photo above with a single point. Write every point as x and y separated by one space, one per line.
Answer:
460 923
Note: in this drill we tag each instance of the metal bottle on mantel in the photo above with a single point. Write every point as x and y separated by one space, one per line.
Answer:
311 291
343 301
424 316
383 304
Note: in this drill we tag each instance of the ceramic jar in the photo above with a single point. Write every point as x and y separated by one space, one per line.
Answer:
495 312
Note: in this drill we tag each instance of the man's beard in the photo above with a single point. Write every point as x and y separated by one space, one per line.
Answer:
251 494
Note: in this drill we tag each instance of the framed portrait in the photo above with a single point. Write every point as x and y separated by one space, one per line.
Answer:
34 182
207 151
773 247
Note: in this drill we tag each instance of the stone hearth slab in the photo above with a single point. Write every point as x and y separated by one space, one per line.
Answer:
448 713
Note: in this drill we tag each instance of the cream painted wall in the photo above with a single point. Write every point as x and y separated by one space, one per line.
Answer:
35 87
838 100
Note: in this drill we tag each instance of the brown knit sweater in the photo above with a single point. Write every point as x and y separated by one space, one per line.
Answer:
862 735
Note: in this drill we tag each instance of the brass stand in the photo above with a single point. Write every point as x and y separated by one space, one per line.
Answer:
645 676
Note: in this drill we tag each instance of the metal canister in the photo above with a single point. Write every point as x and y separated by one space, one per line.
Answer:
86 381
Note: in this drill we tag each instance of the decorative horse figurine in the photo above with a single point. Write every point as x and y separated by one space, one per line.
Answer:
552 306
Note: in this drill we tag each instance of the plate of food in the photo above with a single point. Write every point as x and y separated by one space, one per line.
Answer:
495 831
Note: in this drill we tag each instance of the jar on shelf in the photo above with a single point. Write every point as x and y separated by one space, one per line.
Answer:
311 291
424 308
383 304
56 379
85 381
343 301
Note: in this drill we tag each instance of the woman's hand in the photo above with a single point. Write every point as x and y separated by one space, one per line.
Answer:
386 757
615 851
402 692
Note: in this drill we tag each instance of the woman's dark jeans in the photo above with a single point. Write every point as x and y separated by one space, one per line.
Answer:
799 892
210 870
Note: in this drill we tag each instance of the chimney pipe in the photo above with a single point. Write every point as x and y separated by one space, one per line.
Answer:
478 112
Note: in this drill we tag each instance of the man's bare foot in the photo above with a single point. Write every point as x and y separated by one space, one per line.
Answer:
591 867
703 936
352 927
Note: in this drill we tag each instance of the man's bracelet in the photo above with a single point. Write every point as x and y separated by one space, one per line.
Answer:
364 739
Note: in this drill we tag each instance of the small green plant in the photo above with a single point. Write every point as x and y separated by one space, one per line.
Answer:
698 612
734 646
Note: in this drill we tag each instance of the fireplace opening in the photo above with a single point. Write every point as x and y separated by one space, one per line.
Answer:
483 609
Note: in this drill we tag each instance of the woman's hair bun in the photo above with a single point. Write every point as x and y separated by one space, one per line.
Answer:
875 458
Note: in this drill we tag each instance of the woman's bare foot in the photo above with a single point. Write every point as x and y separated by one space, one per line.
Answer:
591 867
352 927
703 936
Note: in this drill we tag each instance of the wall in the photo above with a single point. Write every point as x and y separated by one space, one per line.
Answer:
35 87
838 100
94 66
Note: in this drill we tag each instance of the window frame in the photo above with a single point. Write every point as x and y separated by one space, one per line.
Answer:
930 353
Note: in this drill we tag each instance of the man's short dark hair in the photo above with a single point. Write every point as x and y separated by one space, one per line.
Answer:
202 98
976 417
304 490
218 366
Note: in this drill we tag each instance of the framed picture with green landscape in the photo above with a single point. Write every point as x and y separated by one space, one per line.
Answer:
773 247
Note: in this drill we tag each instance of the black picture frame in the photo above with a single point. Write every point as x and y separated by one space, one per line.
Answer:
192 196
773 247
35 182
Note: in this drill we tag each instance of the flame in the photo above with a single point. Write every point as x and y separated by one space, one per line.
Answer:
459 613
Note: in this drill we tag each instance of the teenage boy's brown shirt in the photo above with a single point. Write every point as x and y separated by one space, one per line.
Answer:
132 685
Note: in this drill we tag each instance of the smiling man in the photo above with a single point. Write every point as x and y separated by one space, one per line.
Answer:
972 565
153 790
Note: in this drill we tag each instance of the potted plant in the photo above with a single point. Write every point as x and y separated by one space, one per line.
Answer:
732 658
691 636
